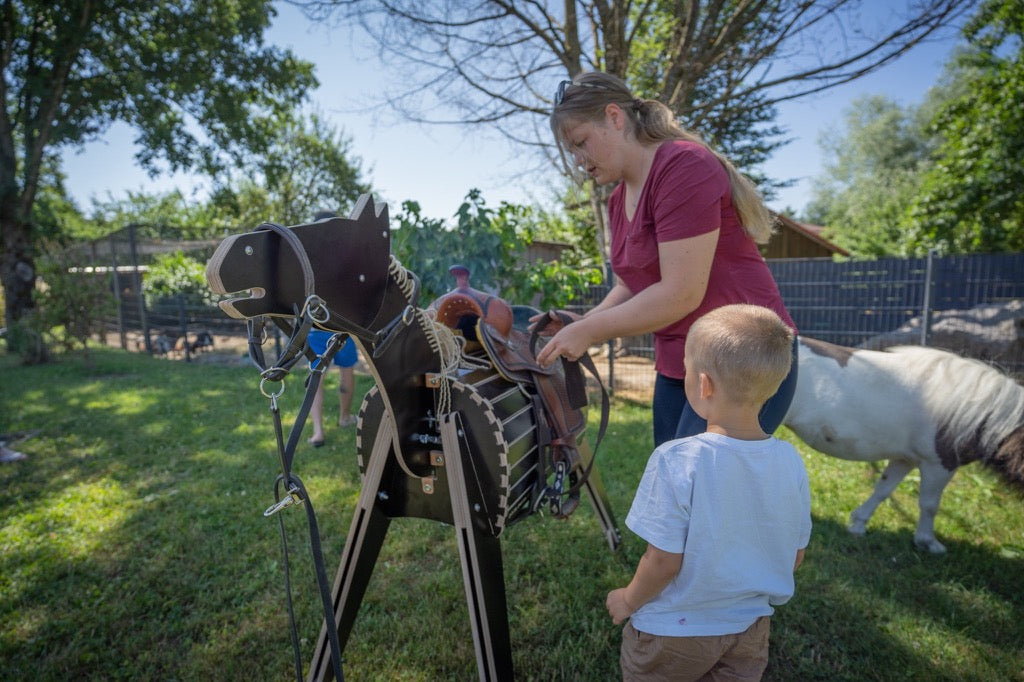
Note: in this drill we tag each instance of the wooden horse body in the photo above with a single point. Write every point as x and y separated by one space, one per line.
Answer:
441 436
914 406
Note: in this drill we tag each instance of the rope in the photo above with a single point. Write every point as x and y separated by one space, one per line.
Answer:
442 340
403 278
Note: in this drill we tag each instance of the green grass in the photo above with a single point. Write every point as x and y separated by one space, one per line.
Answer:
133 546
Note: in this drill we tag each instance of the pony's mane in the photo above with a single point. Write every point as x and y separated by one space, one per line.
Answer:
976 401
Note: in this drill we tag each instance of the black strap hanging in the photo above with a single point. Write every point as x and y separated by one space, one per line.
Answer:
294 489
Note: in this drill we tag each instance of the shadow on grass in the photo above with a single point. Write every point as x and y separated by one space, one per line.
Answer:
865 600
134 547
134 544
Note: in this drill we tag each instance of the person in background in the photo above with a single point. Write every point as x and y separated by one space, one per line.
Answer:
345 360
684 225
726 515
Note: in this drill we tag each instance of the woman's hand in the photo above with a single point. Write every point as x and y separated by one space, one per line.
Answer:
618 608
571 342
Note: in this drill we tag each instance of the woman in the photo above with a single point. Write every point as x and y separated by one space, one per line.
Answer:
684 227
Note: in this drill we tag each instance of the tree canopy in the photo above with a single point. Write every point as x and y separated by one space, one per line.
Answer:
942 175
308 166
870 177
970 198
721 66
492 244
195 80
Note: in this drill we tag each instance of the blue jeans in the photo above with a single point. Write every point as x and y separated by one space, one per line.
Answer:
674 418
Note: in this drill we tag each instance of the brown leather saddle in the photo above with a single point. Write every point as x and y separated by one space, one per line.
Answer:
559 389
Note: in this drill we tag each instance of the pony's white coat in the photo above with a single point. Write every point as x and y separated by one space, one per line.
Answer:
914 406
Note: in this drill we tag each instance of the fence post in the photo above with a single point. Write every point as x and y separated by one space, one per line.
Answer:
926 311
183 321
122 332
611 367
141 299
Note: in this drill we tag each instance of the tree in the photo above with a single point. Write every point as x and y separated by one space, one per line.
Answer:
308 166
944 175
193 78
176 274
492 244
166 215
722 66
72 307
970 199
871 176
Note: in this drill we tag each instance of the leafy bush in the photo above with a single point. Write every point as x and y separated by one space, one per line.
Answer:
173 274
492 243
70 307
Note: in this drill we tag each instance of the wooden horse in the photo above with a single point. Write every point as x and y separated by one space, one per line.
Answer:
915 406
442 435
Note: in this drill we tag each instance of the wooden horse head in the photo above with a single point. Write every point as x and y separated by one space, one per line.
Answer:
343 260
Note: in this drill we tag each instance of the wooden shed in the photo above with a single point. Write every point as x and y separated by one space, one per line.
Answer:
793 239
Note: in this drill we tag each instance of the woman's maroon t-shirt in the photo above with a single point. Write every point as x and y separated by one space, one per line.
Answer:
687 194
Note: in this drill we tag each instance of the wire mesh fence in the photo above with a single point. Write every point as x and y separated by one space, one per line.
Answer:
972 305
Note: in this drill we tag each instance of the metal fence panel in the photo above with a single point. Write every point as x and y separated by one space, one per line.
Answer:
846 303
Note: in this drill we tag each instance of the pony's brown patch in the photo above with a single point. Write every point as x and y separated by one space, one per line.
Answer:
841 354
953 456
1009 459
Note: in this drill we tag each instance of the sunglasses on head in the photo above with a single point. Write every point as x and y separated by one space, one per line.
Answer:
565 85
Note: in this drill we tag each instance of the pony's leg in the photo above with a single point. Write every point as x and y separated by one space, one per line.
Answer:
934 478
894 472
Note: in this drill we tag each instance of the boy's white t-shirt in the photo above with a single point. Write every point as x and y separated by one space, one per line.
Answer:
739 511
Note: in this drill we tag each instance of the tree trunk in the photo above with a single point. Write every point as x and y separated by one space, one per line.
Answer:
17 272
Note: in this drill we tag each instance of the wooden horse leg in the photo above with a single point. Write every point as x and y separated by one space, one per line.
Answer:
365 538
482 573
894 472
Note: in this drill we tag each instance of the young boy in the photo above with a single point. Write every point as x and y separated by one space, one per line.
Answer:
726 514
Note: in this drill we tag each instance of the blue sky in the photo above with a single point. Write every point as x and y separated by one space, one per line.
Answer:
437 165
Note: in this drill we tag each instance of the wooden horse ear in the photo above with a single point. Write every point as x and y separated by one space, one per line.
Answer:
349 258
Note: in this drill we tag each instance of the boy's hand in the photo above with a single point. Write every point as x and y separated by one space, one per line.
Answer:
618 608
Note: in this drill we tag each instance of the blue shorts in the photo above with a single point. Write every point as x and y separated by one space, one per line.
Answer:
346 355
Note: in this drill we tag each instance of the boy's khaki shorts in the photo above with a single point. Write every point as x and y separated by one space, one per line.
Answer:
652 658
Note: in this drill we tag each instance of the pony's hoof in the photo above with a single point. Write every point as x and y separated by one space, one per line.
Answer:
856 527
930 545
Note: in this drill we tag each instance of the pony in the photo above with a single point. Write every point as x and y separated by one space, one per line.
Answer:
914 406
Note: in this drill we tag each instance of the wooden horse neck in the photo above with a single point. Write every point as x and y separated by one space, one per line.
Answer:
416 348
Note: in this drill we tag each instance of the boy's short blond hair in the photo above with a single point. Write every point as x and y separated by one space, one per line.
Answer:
746 349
